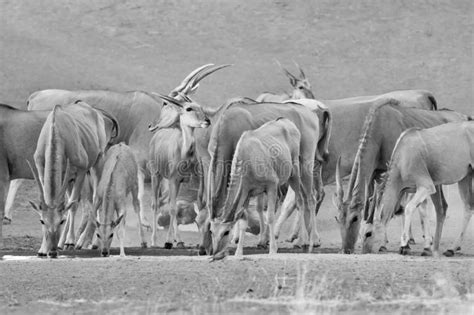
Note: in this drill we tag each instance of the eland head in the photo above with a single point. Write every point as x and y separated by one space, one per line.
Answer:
105 234
300 84
52 213
221 233
179 108
349 216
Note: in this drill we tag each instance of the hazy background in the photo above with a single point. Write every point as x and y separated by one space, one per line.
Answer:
347 48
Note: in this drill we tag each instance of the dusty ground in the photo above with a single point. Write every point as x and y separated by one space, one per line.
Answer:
362 47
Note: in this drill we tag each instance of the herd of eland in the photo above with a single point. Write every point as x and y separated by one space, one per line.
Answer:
100 147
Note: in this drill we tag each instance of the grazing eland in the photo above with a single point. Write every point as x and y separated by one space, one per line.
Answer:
382 127
301 88
421 160
118 180
348 117
17 146
71 143
264 159
134 111
241 117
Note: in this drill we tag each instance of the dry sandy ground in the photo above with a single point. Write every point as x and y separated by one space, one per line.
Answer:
346 48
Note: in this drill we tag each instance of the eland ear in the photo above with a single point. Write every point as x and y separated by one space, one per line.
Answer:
70 204
35 207
117 222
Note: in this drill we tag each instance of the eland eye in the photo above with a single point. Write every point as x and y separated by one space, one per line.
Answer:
226 233
62 221
301 87
98 236
189 109
368 234
42 222
111 235
354 220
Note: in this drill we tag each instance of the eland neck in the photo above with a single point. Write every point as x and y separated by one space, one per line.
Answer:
187 148
53 165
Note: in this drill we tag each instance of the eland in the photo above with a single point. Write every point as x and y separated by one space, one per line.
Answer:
382 127
300 84
241 117
72 142
264 159
118 180
421 160
135 111
348 116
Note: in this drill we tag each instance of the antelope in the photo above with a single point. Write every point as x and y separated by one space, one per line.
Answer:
264 159
134 111
71 142
421 160
118 181
17 147
172 149
382 127
301 88
241 117
348 118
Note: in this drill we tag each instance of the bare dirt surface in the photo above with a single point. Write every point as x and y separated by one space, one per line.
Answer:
346 48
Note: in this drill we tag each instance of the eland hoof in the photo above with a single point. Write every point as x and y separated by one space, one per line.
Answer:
411 241
180 245
382 249
53 255
449 253
7 221
168 245
143 245
69 246
202 251
426 252
78 247
42 255
404 250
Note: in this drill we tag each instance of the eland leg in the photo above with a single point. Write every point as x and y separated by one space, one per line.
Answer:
4 183
262 239
419 197
271 202
141 193
242 227
121 231
287 208
76 192
423 209
136 208
14 185
173 232
466 192
155 190
441 207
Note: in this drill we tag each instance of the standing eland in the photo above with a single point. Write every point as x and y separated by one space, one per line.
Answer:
301 88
